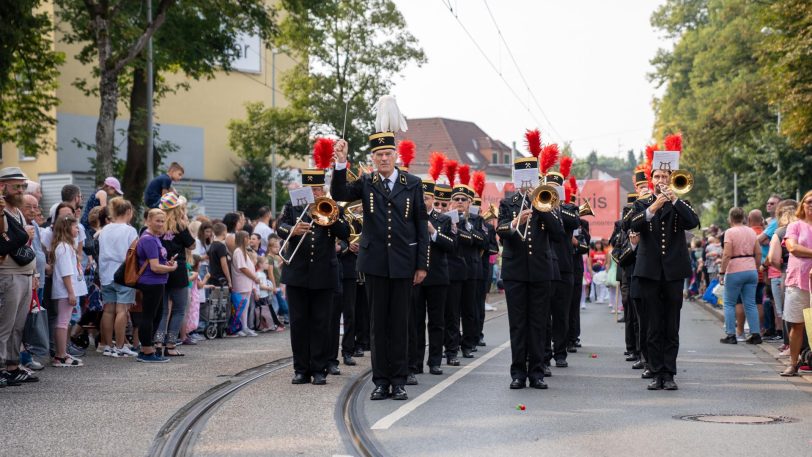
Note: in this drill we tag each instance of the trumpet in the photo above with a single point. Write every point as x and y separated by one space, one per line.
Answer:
585 209
323 211
682 181
545 198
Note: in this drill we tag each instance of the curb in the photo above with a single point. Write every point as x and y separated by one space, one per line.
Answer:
768 348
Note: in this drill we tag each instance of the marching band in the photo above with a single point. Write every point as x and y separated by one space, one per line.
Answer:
403 258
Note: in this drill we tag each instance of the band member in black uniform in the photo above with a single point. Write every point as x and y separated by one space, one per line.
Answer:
527 272
620 244
430 296
491 220
347 257
471 236
562 288
580 239
457 274
662 265
393 255
311 277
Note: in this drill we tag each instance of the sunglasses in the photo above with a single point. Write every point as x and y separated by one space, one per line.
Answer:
460 199
438 204
17 186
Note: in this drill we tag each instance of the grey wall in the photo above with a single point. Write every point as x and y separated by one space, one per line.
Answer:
72 158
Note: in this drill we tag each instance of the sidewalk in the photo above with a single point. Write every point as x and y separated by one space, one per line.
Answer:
770 349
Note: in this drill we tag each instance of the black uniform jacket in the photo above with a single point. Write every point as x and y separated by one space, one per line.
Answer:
348 258
583 238
457 264
395 239
315 265
493 248
564 249
439 250
530 259
473 242
662 251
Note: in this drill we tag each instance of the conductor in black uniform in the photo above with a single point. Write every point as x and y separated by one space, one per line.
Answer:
393 255
662 265
527 272
430 296
311 277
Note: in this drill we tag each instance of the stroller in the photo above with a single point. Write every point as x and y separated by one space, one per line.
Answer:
216 311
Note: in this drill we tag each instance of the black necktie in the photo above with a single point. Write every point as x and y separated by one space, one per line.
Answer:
386 188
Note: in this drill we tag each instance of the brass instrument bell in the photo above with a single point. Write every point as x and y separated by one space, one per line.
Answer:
324 211
682 181
585 209
545 198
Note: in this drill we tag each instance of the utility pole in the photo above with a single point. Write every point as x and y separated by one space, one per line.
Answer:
735 189
149 145
273 146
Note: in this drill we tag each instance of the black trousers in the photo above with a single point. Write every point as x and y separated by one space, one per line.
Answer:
630 318
486 287
469 314
152 304
528 306
343 304
309 328
663 302
452 319
574 329
427 300
390 302
361 317
560 304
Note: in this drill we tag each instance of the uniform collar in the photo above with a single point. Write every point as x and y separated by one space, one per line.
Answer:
393 178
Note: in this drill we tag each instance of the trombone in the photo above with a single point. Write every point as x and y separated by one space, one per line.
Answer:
323 211
544 198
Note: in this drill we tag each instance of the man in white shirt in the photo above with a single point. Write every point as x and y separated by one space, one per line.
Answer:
263 228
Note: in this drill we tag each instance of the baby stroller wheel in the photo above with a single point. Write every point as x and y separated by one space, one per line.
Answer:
211 332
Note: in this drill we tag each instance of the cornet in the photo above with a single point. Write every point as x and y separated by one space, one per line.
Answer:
323 212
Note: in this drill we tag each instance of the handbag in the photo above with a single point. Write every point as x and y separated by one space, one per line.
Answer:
128 272
15 242
36 334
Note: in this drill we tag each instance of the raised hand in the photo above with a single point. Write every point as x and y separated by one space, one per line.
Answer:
340 151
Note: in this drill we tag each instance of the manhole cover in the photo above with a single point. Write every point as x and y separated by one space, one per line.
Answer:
742 419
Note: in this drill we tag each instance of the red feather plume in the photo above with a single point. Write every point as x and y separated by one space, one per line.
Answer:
323 153
647 168
573 185
478 182
567 191
549 156
406 152
565 167
465 174
436 165
533 141
451 171
650 153
673 142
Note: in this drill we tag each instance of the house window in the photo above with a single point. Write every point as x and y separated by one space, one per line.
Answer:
23 157
472 157
507 158
495 158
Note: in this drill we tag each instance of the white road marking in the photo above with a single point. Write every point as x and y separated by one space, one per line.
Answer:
398 414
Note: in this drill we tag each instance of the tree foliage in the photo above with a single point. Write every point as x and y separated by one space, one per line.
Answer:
717 94
351 52
28 76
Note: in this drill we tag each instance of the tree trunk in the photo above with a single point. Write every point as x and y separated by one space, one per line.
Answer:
135 170
106 126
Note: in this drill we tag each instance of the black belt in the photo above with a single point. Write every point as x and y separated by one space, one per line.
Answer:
741 256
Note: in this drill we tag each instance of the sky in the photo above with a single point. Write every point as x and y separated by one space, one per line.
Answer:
585 61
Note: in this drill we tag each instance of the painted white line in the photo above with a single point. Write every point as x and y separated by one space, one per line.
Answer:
398 414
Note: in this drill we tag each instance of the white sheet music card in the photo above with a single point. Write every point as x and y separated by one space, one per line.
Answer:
473 210
527 178
302 196
665 160
454 215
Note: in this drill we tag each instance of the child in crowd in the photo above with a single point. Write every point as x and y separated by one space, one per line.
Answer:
267 318
197 287
162 184
68 285
243 279
275 266
256 244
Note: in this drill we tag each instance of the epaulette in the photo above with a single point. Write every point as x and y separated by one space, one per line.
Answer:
639 216
516 197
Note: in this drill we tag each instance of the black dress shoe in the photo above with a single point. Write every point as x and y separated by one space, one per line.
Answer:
647 374
561 363
411 380
319 379
754 339
481 342
333 370
571 348
669 384
656 384
435 370
474 349
627 353
300 378
399 393
518 384
639 365
729 339
632 358
452 361
380 393
349 361
538 384
577 343
547 372
359 352
467 354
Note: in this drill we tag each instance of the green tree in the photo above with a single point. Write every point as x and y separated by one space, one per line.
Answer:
28 76
354 48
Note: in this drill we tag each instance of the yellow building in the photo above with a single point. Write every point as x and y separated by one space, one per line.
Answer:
194 120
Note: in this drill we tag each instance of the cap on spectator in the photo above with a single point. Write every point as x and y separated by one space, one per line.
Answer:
113 182
171 200
12 173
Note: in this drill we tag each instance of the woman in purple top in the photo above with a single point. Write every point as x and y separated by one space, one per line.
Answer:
152 282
